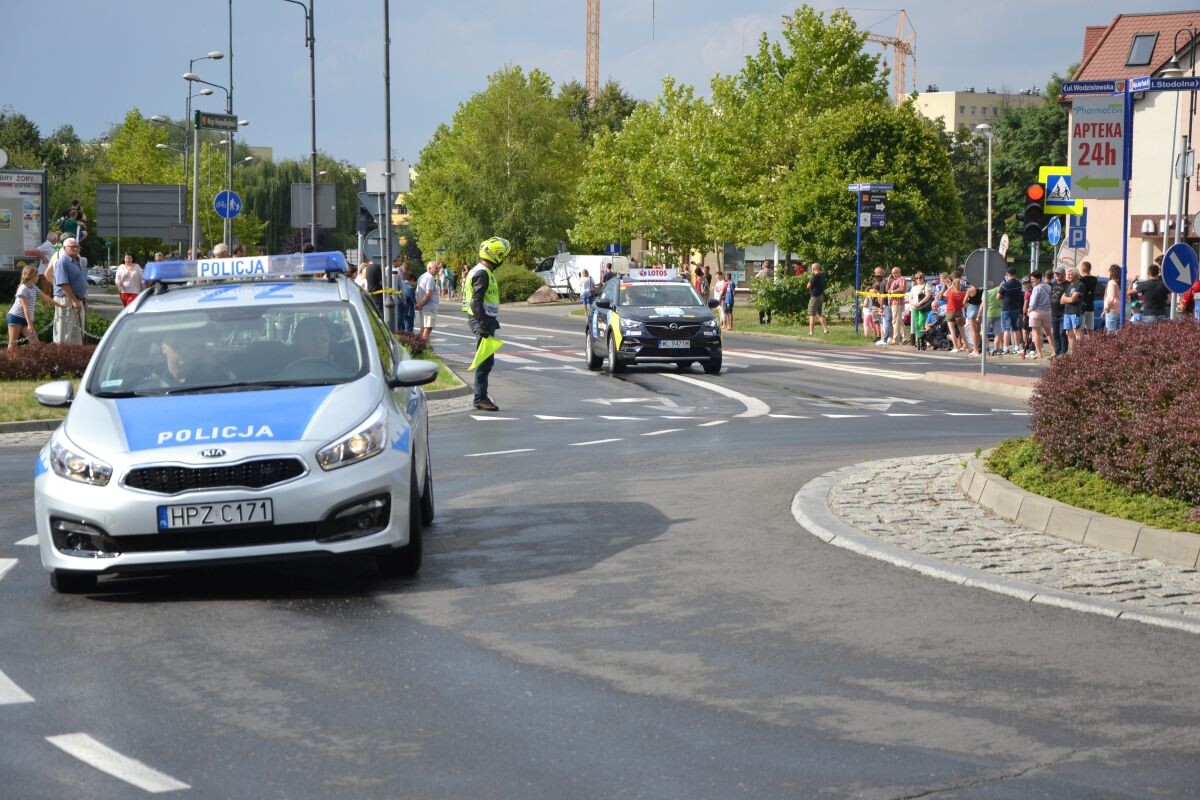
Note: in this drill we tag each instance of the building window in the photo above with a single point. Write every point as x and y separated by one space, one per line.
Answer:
1142 49
962 109
972 111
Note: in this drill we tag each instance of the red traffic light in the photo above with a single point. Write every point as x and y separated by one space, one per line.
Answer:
1035 193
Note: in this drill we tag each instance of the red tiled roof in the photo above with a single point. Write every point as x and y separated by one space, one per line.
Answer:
1105 50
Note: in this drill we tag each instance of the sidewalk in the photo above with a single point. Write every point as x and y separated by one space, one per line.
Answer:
935 529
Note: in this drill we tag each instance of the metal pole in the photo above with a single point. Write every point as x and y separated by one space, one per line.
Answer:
187 122
1128 171
987 255
857 259
389 309
228 227
195 189
1171 183
312 88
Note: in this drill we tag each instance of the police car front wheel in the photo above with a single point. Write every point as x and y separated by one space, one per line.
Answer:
405 562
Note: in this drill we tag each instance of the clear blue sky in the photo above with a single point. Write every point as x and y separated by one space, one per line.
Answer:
87 63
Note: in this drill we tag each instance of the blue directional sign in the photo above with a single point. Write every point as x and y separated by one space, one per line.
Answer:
1139 84
1181 267
613 249
227 204
1054 231
1187 84
1088 87
871 187
1077 236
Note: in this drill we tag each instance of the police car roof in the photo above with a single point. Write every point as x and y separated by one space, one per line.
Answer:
245 268
243 293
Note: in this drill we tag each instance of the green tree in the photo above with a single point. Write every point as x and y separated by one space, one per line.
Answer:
613 105
968 159
506 166
132 153
870 142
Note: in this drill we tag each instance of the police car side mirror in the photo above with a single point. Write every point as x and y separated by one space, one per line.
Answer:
604 302
414 372
714 303
55 394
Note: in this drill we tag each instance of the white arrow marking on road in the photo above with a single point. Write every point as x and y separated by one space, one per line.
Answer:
29 541
879 403
714 422
483 418
500 452
596 441
1184 270
107 760
10 693
859 370
6 564
754 406
547 416
660 433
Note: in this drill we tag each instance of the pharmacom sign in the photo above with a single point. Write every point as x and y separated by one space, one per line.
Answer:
1098 146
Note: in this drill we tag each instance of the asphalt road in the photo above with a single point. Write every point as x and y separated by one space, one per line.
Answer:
616 602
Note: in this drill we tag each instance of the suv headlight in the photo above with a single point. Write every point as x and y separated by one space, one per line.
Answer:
711 323
74 464
358 445
631 325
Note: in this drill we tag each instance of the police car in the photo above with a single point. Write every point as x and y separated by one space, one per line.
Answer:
652 316
242 409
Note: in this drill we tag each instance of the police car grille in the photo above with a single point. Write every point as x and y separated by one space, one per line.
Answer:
247 475
681 331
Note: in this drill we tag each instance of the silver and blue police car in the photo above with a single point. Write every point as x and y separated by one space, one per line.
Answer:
241 409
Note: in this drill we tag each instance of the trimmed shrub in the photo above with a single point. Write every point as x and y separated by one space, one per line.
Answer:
517 283
413 343
1125 407
45 362
787 297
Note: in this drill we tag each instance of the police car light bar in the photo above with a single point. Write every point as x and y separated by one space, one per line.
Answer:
247 267
654 274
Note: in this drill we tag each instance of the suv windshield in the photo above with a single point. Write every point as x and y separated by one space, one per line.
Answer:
230 348
674 294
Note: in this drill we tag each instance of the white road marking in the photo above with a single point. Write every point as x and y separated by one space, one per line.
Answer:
754 406
29 541
602 416
547 416
660 433
788 416
490 418
965 414
10 693
1018 413
1007 410
6 564
107 760
511 359
859 370
458 335
555 368
595 441
893 414
667 417
844 416
561 357
714 422
500 452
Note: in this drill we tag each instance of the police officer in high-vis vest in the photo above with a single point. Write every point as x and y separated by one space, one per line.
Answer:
481 300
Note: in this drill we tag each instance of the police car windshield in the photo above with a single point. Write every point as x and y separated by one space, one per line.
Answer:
230 349
659 294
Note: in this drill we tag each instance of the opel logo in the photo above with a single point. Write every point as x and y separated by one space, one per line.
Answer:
674 326
212 452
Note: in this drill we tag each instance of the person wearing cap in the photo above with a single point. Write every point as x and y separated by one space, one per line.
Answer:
1037 308
1057 290
1012 298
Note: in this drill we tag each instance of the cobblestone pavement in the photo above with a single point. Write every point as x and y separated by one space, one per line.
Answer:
927 514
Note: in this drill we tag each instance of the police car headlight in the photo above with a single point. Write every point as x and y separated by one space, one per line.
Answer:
72 463
358 445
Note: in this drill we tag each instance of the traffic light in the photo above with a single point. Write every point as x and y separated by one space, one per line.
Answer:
1032 219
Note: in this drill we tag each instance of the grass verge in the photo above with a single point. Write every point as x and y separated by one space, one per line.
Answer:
17 403
1020 461
445 379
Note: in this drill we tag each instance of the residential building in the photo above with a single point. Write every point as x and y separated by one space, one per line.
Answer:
968 108
1131 46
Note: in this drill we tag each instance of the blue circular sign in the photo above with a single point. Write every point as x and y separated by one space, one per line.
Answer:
1054 231
227 204
1180 268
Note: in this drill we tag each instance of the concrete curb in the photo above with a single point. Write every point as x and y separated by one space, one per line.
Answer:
810 508
990 386
30 425
454 391
1041 514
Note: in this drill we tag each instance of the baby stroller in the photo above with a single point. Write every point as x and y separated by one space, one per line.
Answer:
936 336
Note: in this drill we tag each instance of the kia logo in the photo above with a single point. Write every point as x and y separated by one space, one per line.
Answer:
212 452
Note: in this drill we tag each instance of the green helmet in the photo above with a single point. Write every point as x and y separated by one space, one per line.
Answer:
495 250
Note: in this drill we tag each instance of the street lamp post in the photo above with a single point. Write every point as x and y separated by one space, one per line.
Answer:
213 55
985 131
1191 34
311 42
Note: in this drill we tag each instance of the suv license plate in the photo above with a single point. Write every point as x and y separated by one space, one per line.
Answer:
213 515
673 344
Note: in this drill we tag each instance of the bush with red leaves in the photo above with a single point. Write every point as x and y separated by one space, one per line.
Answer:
47 361
414 344
1127 407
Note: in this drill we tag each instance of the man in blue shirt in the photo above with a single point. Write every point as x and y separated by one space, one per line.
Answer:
1012 300
70 294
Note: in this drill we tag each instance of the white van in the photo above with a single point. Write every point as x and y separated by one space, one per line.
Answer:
561 273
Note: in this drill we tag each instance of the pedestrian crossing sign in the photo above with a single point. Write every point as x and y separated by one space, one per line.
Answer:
1059 197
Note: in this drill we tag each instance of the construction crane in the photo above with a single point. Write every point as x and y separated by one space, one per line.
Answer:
592 73
902 49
